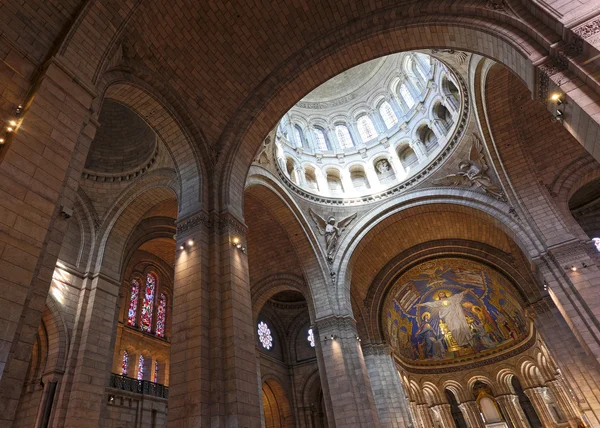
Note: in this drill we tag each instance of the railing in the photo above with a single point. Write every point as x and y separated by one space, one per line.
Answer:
144 387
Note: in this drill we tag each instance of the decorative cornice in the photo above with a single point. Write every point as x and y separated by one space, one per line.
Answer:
200 219
377 349
230 222
89 174
327 104
588 29
335 322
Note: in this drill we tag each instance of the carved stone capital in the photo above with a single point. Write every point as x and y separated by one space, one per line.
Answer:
377 349
200 219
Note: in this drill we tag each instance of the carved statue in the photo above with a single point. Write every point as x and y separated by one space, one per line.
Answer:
331 230
473 172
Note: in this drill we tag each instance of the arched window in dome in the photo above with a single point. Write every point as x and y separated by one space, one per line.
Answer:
424 61
343 135
365 128
321 139
148 304
387 113
407 96
359 178
161 315
299 134
133 302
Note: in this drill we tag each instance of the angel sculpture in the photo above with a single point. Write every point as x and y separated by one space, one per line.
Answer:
331 230
473 172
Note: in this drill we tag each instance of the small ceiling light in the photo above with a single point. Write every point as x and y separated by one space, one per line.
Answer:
574 268
9 129
182 247
13 123
1 140
238 245
236 241
190 242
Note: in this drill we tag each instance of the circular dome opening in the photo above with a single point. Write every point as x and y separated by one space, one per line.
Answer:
371 128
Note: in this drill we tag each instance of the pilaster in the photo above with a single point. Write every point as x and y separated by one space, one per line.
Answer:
388 392
535 395
470 412
510 406
344 374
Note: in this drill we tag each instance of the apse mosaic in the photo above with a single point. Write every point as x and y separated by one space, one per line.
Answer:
452 309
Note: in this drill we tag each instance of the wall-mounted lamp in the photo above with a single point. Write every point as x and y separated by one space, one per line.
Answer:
237 243
189 243
545 287
574 268
11 126
332 337
557 97
358 338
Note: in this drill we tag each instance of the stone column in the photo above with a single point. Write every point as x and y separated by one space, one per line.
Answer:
347 181
578 365
425 415
419 148
470 411
388 393
322 181
511 408
372 176
563 401
540 406
40 168
190 376
348 394
396 164
445 413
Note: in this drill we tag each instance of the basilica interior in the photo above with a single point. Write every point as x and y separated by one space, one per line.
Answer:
300 214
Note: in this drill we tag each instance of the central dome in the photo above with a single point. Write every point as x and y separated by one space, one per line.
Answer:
370 128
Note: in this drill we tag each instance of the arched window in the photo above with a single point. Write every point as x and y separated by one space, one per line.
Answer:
311 338
156 371
407 96
424 61
124 363
264 335
299 135
140 373
133 302
388 115
321 140
365 128
161 315
343 136
148 305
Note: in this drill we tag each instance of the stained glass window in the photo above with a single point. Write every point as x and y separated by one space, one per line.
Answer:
156 372
124 363
140 375
343 136
596 242
388 115
311 337
133 302
408 98
161 315
148 305
264 335
321 139
365 128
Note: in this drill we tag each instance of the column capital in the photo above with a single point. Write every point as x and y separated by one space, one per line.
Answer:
194 221
376 349
335 322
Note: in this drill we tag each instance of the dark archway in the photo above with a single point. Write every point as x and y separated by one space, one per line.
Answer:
525 404
457 416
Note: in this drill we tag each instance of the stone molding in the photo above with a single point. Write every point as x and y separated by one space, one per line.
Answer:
125 176
211 221
377 349
335 322
194 221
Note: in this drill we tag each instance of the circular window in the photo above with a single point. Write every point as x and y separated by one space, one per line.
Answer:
264 335
311 338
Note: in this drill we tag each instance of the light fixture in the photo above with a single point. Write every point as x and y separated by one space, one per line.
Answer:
13 123
182 247
237 243
9 129
557 98
1 140
236 240
358 338
574 268
190 242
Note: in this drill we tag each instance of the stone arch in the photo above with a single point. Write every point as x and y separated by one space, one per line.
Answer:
277 410
125 213
530 373
457 389
504 380
171 127
475 204
432 394
472 380
313 261
506 45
